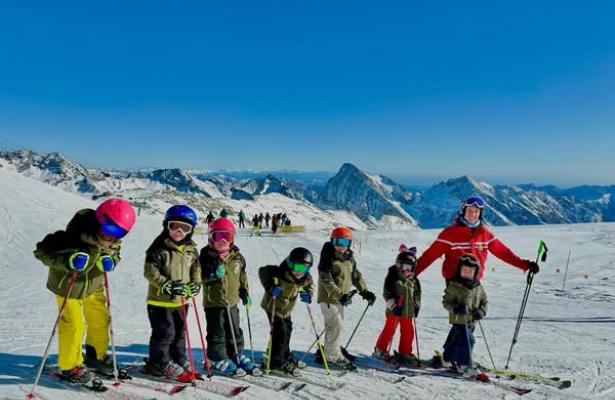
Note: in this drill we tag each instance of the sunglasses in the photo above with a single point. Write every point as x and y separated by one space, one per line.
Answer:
217 236
474 201
343 242
110 228
182 226
300 267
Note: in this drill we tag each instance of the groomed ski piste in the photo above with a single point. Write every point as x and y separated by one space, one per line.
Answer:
567 333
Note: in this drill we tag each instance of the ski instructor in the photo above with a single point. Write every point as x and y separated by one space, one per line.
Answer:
468 234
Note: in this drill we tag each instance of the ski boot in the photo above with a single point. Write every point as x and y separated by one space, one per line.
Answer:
246 363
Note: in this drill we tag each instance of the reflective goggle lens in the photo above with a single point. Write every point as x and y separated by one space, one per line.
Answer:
110 228
218 236
183 226
300 267
474 201
341 242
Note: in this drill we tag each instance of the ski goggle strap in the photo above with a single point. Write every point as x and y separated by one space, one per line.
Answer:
183 226
474 201
343 242
217 236
110 228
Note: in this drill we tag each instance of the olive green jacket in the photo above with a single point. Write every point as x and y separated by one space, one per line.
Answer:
403 291
337 273
458 294
279 275
166 260
222 292
80 235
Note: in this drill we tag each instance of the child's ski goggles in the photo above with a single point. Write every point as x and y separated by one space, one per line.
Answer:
110 228
177 225
343 242
474 201
218 236
300 267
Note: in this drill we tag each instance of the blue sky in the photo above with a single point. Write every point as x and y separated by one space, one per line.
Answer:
509 92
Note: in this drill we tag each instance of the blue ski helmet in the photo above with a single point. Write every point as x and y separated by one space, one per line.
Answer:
181 213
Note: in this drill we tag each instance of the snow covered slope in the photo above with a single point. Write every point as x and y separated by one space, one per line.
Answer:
567 332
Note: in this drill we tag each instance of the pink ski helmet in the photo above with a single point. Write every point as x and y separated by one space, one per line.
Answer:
222 228
117 211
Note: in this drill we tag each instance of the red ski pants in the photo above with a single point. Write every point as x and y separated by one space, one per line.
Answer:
407 334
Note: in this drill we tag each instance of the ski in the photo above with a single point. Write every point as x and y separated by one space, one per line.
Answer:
225 389
114 393
268 382
95 385
479 378
554 381
324 383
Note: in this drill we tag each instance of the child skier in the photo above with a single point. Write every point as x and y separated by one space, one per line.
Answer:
402 294
225 283
466 301
337 271
283 284
89 247
172 270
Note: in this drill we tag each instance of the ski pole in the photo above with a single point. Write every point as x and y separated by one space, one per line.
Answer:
271 322
232 326
198 321
250 331
416 338
465 318
540 256
356 326
320 346
73 278
111 336
482 331
185 317
566 273
327 326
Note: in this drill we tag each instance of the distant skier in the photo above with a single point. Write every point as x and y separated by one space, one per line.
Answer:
223 213
267 218
242 218
225 283
466 301
261 218
210 218
402 294
256 230
468 234
337 273
172 270
283 284
90 246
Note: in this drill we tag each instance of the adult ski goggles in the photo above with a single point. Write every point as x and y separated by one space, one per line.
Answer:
178 225
110 228
218 236
343 242
300 267
474 201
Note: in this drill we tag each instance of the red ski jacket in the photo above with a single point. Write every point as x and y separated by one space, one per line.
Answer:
459 239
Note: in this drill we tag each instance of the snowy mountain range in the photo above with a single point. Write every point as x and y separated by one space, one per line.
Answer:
376 200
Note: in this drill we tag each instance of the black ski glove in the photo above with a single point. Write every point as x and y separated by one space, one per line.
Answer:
477 315
346 299
396 310
532 266
416 312
460 309
369 296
